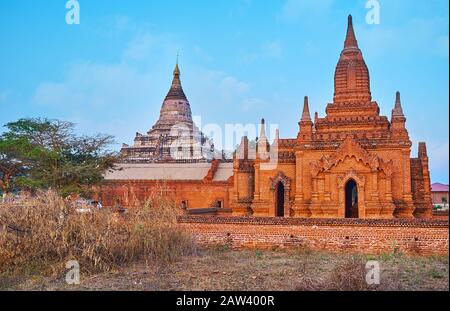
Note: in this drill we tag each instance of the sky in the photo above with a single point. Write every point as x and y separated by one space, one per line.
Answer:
240 60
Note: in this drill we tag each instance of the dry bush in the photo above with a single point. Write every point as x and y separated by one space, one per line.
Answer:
349 275
46 232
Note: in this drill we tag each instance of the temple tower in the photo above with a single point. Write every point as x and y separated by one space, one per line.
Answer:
355 147
175 110
174 137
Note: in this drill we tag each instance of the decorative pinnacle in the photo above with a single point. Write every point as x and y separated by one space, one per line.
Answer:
398 110
305 115
262 134
423 150
176 90
350 39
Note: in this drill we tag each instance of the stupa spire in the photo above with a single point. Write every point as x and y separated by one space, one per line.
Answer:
350 39
398 110
262 132
306 117
176 90
351 78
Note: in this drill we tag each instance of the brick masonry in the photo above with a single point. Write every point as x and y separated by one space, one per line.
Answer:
443 215
411 236
351 163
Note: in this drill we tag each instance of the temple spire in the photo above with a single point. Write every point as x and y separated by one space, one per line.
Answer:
350 39
351 78
398 110
176 90
306 117
262 134
263 143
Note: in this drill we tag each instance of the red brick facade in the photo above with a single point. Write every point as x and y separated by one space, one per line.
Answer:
352 163
425 237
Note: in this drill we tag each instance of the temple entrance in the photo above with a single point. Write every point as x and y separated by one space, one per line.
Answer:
351 199
279 211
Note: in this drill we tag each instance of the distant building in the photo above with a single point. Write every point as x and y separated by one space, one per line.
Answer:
438 192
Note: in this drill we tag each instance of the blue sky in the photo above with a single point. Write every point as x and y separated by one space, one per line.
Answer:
240 60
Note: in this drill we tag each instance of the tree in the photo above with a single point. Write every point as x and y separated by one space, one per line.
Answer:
14 155
54 157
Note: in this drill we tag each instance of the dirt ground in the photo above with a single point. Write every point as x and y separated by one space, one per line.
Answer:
272 270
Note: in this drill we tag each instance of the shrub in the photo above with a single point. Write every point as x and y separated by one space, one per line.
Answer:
348 275
46 231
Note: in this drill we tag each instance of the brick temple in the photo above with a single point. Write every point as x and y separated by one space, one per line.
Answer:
352 163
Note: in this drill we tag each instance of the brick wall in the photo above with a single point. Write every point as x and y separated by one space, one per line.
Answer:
424 237
440 215
196 194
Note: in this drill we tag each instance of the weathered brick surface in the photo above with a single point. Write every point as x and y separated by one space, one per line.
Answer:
415 236
443 215
196 194
351 163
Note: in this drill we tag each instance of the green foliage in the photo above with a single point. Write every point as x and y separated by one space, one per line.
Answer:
14 161
46 154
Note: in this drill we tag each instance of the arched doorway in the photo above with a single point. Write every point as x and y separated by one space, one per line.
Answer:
351 199
279 211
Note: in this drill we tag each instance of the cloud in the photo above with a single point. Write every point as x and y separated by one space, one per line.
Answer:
230 86
124 97
90 85
209 86
252 103
144 46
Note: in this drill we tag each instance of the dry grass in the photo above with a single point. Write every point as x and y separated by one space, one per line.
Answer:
348 275
265 270
41 234
146 250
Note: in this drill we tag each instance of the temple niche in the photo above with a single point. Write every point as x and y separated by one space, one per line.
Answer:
352 163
